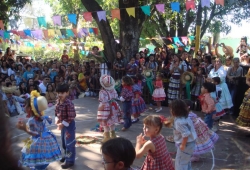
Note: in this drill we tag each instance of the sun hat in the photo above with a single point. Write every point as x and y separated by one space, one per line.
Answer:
38 103
148 73
187 76
107 82
7 90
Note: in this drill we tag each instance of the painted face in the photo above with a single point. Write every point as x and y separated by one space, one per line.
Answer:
150 130
62 95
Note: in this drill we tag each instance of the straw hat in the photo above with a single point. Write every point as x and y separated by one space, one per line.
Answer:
107 82
38 103
229 51
11 89
148 73
187 76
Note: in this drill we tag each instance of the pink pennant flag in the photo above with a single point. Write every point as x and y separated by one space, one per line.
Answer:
57 20
184 40
87 16
101 15
160 7
219 2
190 4
1 25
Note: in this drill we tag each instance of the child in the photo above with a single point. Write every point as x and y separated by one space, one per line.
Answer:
138 104
74 91
132 67
159 93
184 134
42 148
117 154
109 111
205 138
199 80
207 103
65 114
126 98
50 95
158 156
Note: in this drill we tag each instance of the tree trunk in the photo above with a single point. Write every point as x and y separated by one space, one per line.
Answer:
108 39
130 28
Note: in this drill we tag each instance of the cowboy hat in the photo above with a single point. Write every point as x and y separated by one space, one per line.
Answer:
107 82
11 89
38 103
187 76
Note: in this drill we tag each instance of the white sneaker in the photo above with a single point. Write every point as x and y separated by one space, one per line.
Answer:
214 128
158 110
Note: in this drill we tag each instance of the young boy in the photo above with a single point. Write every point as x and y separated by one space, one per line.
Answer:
65 115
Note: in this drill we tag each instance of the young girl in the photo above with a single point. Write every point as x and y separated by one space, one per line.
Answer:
159 93
126 98
207 103
206 138
73 89
138 104
50 95
109 111
184 134
131 67
42 148
158 156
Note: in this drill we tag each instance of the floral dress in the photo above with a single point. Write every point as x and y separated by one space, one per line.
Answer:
109 111
138 106
244 115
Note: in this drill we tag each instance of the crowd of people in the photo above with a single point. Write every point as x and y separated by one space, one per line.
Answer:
208 81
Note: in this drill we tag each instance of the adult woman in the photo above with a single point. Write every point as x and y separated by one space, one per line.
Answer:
119 66
62 71
228 63
219 71
233 75
8 55
4 68
228 51
208 63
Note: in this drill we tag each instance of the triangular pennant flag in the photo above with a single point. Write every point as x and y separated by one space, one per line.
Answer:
101 15
170 39
51 33
14 32
58 33
91 30
87 16
184 40
63 32
42 22
46 34
131 11
175 6
115 13
1 25
177 41
220 2
1 33
21 34
146 9
95 31
191 38
160 7
190 4
38 34
57 20
27 32
205 3
85 31
72 18
69 33
74 31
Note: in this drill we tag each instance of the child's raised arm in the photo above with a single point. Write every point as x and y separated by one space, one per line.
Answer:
143 146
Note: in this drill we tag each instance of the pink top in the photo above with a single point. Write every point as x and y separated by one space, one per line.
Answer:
158 84
207 103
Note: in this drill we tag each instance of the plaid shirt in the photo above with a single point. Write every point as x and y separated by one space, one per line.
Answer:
127 93
65 111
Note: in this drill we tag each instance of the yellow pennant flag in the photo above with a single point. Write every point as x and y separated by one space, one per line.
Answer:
51 33
131 11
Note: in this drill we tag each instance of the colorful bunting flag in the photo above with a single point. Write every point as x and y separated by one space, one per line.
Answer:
27 32
72 18
74 31
175 6
87 16
91 30
1 25
63 32
69 33
85 31
58 33
190 4
57 20
115 13
177 41
101 15
51 33
160 7
205 3
131 11
38 34
184 40
219 2
21 34
14 32
45 34
95 31
2 33
146 9
42 22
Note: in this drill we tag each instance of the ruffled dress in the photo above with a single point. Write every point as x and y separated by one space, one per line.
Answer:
206 138
41 149
244 115
109 111
159 93
160 159
219 109
138 106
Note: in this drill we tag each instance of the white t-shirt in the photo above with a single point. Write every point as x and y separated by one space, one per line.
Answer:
42 87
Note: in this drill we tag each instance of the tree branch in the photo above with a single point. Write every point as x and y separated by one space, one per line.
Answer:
206 25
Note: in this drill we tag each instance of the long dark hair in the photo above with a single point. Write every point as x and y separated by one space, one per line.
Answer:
8 161
179 108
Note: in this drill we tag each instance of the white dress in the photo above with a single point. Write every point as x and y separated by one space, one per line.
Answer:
226 99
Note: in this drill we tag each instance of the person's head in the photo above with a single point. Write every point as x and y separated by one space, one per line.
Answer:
184 55
132 60
117 154
137 56
178 108
30 81
64 60
151 57
95 49
119 55
83 69
56 78
142 61
208 59
14 83
31 87
216 80
12 77
176 58
28 67
207 87
218 62
9 84
152 125
62 68
22 85
7 80
189 104
159 76
236 62
62 91
228 61
127 81
195 62
4 64
64 52
49 88
69 68
46 79
8 51
243 40
54 66
201 71
87 75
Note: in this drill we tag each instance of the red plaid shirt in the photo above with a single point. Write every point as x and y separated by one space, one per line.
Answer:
65 111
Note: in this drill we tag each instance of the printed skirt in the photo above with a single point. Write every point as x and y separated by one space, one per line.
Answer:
138 106
159 94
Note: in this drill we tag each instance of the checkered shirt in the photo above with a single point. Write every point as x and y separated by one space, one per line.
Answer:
65 111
